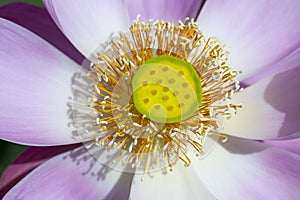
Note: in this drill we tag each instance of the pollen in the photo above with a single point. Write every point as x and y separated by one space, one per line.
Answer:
158 92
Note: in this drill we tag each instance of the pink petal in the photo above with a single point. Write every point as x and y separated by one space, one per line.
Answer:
73 175
26 162
166 10
181 183
250 170
35 89
271 107
292 145
37 20
88 24
260 33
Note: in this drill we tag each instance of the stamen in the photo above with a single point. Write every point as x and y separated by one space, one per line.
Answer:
160 68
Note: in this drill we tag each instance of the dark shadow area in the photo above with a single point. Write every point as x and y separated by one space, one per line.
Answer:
78 114
199 10
121 190
237 145
283 94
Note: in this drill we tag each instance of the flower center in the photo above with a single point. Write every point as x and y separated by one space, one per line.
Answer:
157 94
166 89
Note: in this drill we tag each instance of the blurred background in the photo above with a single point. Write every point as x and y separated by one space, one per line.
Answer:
35 2
9 151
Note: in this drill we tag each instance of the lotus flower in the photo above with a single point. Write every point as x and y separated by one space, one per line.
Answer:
260 159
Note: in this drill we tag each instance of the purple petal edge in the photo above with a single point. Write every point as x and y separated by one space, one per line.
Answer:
26 162
166 10
292 145
37 20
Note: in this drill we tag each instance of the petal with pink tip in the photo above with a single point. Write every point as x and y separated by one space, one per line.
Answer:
88 24
166 10
38 21
35 89
271 107
73 175
292 145
26 162
259 34
251 170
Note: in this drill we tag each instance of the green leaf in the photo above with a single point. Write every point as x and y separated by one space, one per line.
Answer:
8 153
35 2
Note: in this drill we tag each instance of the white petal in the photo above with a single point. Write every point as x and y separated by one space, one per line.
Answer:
88 24
72 175
259 33
250 170
166 10
271 107
35 89
181 183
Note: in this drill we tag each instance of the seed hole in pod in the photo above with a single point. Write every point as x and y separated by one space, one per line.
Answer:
146 100
165 89
176 93
154 92
171 81
180 73
181 105
152 72
185 85
169 108
165 98
157 107
187 96
145 83
165 69
159 81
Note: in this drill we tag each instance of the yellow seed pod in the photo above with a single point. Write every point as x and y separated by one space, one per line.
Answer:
166 89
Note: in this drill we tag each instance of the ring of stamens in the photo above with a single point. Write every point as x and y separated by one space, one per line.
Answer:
141 140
